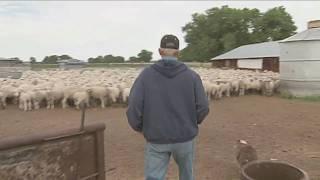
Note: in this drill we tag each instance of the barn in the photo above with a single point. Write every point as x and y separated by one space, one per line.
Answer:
259 56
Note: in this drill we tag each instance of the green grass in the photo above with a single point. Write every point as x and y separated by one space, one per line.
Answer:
309 98
36 67
304 98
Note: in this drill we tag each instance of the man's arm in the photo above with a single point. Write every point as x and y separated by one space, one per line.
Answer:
202 104
135 105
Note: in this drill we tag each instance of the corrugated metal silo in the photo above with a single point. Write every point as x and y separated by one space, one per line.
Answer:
300 62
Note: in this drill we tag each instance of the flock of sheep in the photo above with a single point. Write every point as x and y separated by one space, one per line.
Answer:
103 87
219 83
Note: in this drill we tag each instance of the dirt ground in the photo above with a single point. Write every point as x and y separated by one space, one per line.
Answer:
287 130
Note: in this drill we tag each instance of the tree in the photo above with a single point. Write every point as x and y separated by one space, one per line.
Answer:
275 24
221 29
53 59
113 59
32 60
50 59
107 59
143 56
119 59
64 57
133 59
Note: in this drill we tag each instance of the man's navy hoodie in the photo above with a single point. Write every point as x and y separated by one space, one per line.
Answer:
167 102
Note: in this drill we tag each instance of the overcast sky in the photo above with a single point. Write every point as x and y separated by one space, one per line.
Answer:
88 29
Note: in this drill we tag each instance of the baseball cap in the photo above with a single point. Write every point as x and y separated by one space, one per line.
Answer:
169 41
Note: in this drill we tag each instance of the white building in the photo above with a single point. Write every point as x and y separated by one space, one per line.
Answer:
71 64
258 56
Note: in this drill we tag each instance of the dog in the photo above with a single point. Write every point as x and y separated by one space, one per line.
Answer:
245 153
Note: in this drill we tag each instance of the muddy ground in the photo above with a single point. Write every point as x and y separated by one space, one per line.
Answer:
287 130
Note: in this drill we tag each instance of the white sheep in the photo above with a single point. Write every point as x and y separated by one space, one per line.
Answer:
225 88
235 86
38 96
242 87
80 97
7 92
207 88
59 86
125 94
267 87
54 95
99 92
114 93
67 94
25 101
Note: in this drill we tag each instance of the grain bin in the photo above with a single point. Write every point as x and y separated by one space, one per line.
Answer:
300 62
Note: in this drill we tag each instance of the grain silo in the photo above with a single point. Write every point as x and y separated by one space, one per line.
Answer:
300 62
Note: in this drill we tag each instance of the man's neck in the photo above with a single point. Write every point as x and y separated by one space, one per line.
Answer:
169 58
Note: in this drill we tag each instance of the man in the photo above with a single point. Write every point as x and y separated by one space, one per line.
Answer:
166 104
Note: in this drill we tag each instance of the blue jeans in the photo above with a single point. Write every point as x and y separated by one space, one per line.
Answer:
157 157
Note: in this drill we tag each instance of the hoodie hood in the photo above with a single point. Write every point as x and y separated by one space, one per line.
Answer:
170 68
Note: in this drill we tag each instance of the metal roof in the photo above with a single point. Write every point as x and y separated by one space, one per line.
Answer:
7 59
307 35
258 50
71 61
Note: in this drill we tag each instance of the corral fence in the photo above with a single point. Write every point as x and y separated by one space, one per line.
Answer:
65 155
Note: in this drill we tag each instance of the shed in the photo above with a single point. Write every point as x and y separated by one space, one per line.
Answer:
7 62
261 56
300 62
12 68
71 64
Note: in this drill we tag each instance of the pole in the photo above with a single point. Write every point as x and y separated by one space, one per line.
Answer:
83 114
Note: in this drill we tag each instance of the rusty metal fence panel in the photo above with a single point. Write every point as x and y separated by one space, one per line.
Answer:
67 155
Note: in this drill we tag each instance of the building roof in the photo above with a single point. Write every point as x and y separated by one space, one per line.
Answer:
7 59
258 50
71 61
307 35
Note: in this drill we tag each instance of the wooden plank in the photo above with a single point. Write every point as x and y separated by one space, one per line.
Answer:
100 155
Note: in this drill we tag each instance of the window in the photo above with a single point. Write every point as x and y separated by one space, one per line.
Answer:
250 63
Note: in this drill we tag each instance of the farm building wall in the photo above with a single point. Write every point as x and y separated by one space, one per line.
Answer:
271 64
268 63
229 63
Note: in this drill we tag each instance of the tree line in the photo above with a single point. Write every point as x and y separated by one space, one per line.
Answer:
143 56
214 32
219 30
